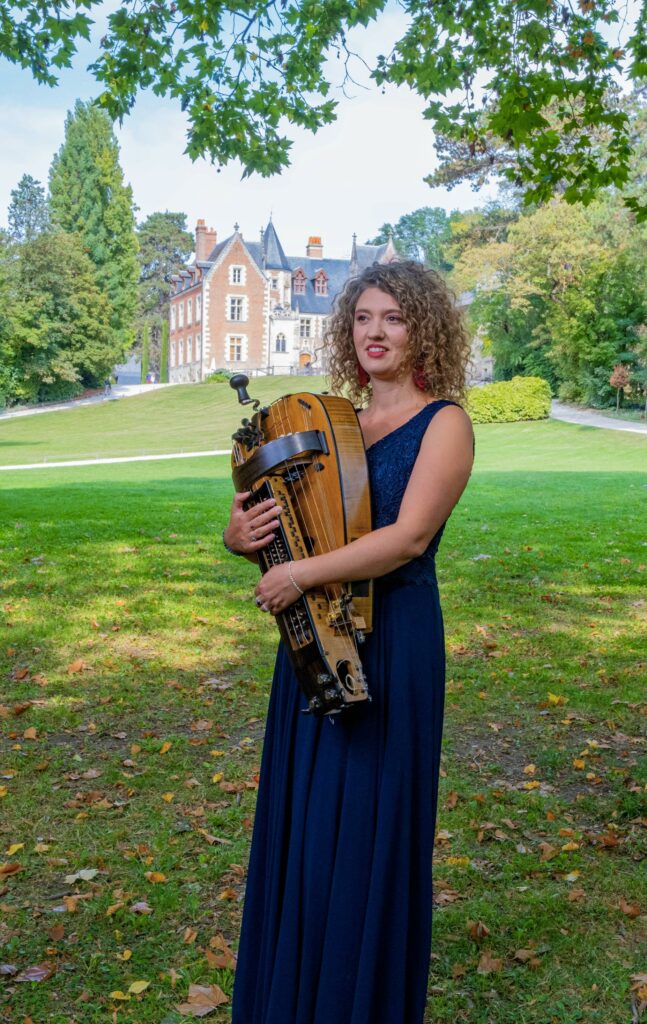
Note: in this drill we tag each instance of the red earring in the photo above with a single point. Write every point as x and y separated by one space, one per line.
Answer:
419 378
362 376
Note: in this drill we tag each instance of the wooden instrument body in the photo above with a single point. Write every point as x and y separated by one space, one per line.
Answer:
307 452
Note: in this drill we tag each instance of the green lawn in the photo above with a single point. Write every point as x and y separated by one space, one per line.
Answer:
135 671
184 418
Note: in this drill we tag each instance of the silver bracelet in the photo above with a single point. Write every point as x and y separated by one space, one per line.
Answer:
292 579
231 551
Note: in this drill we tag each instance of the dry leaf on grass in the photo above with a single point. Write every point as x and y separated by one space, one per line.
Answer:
488 964
224 958
38 972
203 999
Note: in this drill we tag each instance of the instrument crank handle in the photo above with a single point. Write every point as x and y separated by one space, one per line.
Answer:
239 382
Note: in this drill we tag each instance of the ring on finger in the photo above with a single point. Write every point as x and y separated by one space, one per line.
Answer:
264 608
254 537
259 602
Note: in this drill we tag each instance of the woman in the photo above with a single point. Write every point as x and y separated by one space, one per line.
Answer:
337 920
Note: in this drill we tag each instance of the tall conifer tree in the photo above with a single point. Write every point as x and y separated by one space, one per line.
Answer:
88 197
28 214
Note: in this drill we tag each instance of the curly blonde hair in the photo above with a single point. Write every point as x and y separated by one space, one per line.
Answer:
439 345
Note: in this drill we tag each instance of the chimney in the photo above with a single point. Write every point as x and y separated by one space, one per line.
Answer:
205 239
314 248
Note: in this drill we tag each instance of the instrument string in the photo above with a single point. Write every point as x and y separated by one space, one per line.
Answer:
321 503
287 426
331 590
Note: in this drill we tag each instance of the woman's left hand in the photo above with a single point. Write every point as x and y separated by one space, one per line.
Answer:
275 591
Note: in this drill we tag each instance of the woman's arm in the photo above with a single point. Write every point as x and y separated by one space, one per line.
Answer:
438 479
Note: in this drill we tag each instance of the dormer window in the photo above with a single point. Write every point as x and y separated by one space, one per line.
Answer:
299 282
321 283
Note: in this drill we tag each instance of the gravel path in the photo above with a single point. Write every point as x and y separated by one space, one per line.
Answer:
589 418
117 391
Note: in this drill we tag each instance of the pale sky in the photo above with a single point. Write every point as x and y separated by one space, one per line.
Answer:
354 175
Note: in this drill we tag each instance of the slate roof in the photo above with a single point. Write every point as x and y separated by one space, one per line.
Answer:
269 254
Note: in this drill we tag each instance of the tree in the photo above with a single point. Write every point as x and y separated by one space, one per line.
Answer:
145 353
421 235
61 337
242 72
28 214
164 353
164 247
88 197
562 296
619 380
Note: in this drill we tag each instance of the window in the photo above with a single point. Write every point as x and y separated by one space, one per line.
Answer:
180 352
237 275
180 314
198 347
198 308
189 311
235 349
275 284
304 327
280 343
173 354
236 307
173 319
321 283
189 346
299 282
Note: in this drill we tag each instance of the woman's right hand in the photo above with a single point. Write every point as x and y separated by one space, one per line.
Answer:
250 530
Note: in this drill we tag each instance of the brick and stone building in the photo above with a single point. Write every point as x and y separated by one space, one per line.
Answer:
246 305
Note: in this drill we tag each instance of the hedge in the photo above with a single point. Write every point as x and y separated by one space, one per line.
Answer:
522 398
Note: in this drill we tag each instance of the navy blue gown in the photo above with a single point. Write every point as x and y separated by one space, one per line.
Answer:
337 919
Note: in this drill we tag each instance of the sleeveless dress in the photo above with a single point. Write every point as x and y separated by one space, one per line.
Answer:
337 918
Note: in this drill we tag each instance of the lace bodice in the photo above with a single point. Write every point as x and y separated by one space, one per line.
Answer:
390 463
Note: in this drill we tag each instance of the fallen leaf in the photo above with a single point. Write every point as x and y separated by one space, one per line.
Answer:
76 666
168 797
630 909
547 851
113 909
556 699
477 930
118 994
138 987
14 849
38 972
30 734
225 957
488 964
203 999
9 868
524 955
166 746
155 876
125 954
228 894
570 846
141 907
85 875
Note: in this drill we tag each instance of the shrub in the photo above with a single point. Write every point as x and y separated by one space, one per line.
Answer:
218 377
60 391
522 398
